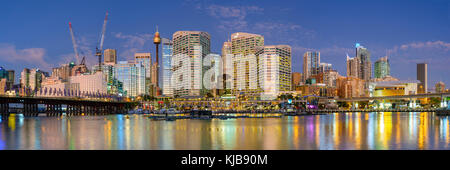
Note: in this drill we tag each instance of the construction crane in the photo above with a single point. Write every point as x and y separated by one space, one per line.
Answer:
99 51
74 42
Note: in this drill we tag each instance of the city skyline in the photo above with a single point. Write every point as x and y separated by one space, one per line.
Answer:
411 43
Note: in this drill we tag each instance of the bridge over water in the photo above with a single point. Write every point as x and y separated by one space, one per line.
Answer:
58 106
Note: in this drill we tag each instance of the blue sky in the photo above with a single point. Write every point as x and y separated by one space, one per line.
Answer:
36 33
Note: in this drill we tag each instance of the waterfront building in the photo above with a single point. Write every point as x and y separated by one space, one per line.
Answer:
245 63
349 87
311 63
167 48
133 78
382 68
53 84
274 70
189 49
422 76
89 83
440 87
110 56
393 88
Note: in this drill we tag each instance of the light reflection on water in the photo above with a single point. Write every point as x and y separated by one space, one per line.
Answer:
334 131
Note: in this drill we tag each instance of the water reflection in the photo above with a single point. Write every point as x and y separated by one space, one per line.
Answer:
334 131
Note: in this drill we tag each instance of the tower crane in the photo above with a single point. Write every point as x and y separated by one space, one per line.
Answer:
99 51
74 42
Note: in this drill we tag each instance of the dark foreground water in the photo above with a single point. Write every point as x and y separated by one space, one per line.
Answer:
333 131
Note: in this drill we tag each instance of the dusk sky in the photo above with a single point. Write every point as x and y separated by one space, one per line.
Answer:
35 34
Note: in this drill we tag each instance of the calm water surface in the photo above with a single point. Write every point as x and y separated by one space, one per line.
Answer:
334 131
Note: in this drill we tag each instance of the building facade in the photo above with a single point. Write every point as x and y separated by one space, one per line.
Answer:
167 48
382 68
440 87
311 63
132 77
189 49
422 76
245 63
349 87
110 56
274 70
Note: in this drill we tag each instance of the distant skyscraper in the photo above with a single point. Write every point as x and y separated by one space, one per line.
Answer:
311 63
422 76
440 87
192 47
382 68
365 65
352 67
167 48
110 56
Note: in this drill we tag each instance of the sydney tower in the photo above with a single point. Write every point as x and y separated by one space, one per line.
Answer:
157 41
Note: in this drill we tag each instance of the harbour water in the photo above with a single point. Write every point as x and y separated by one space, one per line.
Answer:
337 131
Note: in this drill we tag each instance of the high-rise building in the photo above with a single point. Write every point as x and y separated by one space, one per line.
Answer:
422 76
365 65
311 63
110 56
440 87
352 67
167 48
382 68
274 70
132 75
145 60
11 79
245 63
189 48
227 63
